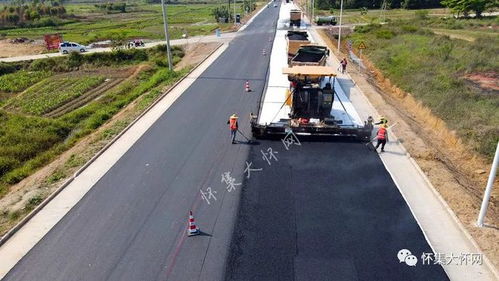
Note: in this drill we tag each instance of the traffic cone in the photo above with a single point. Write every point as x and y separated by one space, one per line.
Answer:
247 87
193 229
264 52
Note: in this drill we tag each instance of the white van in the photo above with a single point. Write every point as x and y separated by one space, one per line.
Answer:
67 47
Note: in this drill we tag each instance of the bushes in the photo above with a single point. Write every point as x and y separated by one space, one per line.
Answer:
421 14
409 28
384 34
367 28
431 68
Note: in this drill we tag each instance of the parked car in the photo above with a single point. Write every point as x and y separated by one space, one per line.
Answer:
67 47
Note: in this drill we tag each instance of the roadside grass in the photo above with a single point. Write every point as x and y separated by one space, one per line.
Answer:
21 80
354 16
52 93
431 67
30 142
142 21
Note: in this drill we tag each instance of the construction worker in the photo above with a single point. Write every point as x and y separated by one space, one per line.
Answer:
382 121
253 118
382 137
343 64
233 126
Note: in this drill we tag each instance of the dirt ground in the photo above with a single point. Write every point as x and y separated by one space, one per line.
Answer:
488 81
455 172
8 49
46 180
195 53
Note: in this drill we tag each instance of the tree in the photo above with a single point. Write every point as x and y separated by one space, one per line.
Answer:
466 6
421 4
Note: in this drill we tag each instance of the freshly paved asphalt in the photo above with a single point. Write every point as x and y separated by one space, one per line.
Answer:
324 211
131 225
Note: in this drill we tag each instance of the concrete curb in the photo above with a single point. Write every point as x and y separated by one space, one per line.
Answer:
20 224
487 261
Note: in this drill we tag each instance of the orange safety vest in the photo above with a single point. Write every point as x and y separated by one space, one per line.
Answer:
233 123
381 133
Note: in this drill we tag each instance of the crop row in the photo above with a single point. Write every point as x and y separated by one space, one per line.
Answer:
53 93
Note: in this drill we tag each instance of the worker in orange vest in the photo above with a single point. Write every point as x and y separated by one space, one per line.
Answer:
233 126
382 137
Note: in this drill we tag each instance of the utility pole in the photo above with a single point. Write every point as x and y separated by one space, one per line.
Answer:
383 11
339 27
234 11
167 36
488 189
313 12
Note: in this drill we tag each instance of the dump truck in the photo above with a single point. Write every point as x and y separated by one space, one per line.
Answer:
309 103
295 40
295 18
310 55
329 20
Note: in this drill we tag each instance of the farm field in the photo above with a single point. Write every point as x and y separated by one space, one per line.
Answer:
140 21
53 92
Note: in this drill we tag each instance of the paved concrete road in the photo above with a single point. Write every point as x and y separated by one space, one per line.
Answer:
132 224
324 211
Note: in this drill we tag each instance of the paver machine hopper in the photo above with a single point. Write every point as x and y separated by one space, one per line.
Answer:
310 100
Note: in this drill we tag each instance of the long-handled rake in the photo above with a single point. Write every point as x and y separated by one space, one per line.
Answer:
249 141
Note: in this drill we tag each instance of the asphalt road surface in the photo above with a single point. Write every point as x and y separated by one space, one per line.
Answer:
132 224
324 211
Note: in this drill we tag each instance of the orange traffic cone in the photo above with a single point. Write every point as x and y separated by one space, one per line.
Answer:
193 229
247 87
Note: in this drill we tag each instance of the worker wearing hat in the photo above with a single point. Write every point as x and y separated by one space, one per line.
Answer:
233 126
382 121
382 137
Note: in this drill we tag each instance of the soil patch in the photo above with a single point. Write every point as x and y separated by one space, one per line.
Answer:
8 49
195 53
488 81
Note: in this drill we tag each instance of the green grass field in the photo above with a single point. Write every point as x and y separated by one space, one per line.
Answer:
141 21
432 68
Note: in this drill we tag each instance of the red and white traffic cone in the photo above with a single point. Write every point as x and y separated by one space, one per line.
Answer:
193 229
264 52
246 86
